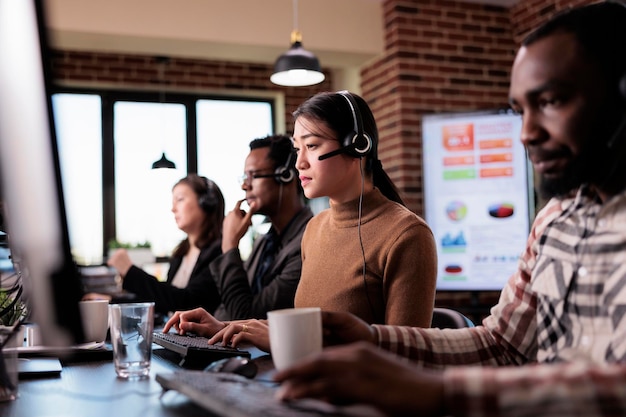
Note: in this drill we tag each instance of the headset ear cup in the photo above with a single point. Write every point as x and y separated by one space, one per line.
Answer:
357 145
362 144
207 202
284 175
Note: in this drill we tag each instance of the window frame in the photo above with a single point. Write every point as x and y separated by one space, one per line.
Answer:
189 99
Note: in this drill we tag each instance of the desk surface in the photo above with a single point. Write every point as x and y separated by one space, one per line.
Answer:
93 390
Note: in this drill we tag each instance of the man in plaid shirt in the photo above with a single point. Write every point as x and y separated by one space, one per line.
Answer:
555 344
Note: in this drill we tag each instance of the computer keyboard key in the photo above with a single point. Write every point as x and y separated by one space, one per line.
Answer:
195 352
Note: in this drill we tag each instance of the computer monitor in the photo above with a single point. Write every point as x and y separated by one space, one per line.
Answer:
478 196
30 179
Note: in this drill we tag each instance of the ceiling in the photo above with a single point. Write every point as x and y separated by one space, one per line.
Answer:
344 34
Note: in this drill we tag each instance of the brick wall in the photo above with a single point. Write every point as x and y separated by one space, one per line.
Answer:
440 56
443 56
528 14
106 70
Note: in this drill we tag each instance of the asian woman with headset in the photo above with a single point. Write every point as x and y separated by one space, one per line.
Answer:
367 254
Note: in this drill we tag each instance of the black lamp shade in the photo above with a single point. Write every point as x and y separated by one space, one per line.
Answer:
163 163
297 67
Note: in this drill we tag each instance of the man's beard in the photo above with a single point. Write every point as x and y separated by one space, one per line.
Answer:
591 166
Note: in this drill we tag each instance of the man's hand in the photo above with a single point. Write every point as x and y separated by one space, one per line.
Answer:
364 374
342 327
235 226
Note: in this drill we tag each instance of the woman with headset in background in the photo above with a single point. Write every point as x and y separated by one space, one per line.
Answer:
198 207
367 254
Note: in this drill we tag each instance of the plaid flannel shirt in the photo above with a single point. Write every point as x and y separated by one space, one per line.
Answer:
562 314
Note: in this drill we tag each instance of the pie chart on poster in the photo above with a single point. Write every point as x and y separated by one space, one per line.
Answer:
453 269
501 210
456 211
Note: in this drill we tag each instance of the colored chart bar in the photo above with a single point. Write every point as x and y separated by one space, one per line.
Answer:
458 160
461 174
496 172
496 157
495 143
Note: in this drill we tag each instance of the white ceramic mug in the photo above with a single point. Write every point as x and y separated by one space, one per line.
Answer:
294 334
95 318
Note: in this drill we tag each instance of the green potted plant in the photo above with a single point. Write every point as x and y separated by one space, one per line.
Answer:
12 312
12 308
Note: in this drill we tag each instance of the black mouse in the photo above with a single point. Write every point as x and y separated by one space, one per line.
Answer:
236 365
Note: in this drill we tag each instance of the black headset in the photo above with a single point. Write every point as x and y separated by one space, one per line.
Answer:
357 143
284 174
208 200
619 130
622 87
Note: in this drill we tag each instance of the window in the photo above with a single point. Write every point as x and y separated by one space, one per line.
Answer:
108 142
143 198
225 129
79 133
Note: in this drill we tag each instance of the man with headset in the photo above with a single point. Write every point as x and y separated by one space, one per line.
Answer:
562 314
268 279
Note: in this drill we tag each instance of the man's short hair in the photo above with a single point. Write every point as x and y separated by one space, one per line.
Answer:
280 149
600 29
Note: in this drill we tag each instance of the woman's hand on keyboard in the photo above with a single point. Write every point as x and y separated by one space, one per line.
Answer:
197 321
251 331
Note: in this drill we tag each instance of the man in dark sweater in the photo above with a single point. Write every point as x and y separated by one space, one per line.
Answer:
268 279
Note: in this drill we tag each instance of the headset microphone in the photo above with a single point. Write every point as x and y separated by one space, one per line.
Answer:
332 153
617 133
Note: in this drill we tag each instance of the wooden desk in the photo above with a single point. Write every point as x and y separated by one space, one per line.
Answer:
93 390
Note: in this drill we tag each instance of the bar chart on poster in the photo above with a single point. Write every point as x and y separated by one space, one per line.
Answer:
478 196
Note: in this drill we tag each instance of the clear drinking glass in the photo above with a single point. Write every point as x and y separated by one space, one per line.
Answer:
131 336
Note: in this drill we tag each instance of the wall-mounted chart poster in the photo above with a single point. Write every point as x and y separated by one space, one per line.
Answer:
478 197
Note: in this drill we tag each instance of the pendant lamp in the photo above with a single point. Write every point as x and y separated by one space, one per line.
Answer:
297 67
163 162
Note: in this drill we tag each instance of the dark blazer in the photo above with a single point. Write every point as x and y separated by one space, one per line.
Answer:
199 292
233 277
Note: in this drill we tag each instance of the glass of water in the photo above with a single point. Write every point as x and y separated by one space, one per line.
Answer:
131 336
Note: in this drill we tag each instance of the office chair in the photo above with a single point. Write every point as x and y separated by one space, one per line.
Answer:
446 318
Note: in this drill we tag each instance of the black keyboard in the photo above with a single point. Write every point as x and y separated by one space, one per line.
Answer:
230 395
195 352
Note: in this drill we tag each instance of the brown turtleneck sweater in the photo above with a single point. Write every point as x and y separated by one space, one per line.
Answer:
400 259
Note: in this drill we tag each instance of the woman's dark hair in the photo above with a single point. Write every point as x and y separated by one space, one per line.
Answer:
333 109
211 201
